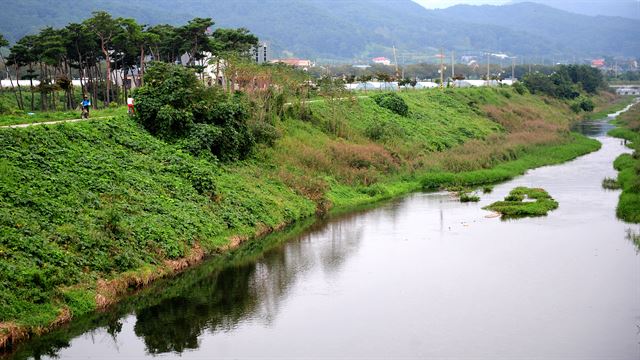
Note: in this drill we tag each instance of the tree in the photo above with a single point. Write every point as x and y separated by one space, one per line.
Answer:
195 39
4 43
238 42
105 27
23 54
165 43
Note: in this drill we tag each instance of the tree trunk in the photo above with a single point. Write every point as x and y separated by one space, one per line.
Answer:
108 60
141 70
4 63
31 86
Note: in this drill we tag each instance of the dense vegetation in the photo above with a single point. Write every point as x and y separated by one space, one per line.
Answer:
629 165
359 29
523 201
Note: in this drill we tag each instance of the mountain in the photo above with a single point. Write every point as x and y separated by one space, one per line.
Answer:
578 34
622 8
357 29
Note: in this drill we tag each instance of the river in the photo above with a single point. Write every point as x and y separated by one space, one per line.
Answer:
422 277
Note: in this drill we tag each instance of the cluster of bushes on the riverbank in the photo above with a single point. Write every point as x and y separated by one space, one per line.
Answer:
629 165
96 200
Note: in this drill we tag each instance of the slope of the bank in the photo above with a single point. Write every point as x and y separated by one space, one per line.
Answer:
629 165
91 210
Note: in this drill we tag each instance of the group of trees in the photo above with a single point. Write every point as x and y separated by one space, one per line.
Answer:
103 47
566 82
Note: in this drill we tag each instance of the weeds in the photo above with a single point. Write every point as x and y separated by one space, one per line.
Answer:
610 184
523 201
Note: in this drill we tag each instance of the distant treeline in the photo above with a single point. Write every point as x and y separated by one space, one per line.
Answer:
102 47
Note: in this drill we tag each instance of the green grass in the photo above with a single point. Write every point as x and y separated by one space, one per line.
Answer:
532 158
618 105
522 202
628 208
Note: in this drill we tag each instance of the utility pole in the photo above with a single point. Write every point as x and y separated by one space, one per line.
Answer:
453 64
488 69
441 69
395 59
513 69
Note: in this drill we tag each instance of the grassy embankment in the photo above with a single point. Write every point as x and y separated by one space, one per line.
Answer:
92 210
608 104
628 165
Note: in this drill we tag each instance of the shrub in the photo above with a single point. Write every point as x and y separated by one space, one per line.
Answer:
392 102
520 88
174 105
586 104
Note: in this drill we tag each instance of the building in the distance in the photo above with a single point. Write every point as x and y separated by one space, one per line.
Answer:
382 61
301 63
598 63
261 53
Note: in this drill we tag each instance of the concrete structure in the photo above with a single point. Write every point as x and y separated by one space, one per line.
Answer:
261 53
629 90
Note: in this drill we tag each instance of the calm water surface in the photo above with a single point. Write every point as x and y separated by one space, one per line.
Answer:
422 277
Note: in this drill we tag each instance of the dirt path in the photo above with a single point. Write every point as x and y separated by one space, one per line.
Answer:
56 122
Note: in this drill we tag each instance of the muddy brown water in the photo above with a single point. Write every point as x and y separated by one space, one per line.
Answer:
423 277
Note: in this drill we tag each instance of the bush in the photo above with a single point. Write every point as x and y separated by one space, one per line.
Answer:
174 105
586 104
392 102
520 88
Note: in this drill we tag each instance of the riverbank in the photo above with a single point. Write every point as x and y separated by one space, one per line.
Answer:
93 210
628 165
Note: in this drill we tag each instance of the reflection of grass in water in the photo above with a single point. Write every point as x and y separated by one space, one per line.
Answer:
522 202
634 238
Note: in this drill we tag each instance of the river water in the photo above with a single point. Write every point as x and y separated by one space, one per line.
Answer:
423 277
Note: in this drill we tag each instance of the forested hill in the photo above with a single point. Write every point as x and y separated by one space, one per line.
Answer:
573 32
351 29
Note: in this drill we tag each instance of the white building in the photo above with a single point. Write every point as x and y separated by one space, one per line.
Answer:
382 61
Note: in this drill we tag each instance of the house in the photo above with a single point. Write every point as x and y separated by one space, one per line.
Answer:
598 63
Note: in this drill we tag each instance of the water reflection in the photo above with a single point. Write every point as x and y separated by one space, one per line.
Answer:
247 285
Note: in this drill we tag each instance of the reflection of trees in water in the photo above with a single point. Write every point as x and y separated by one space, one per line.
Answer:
250 283
219 301
344 238
216 302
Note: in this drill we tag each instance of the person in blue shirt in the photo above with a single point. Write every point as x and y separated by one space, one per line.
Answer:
86 104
